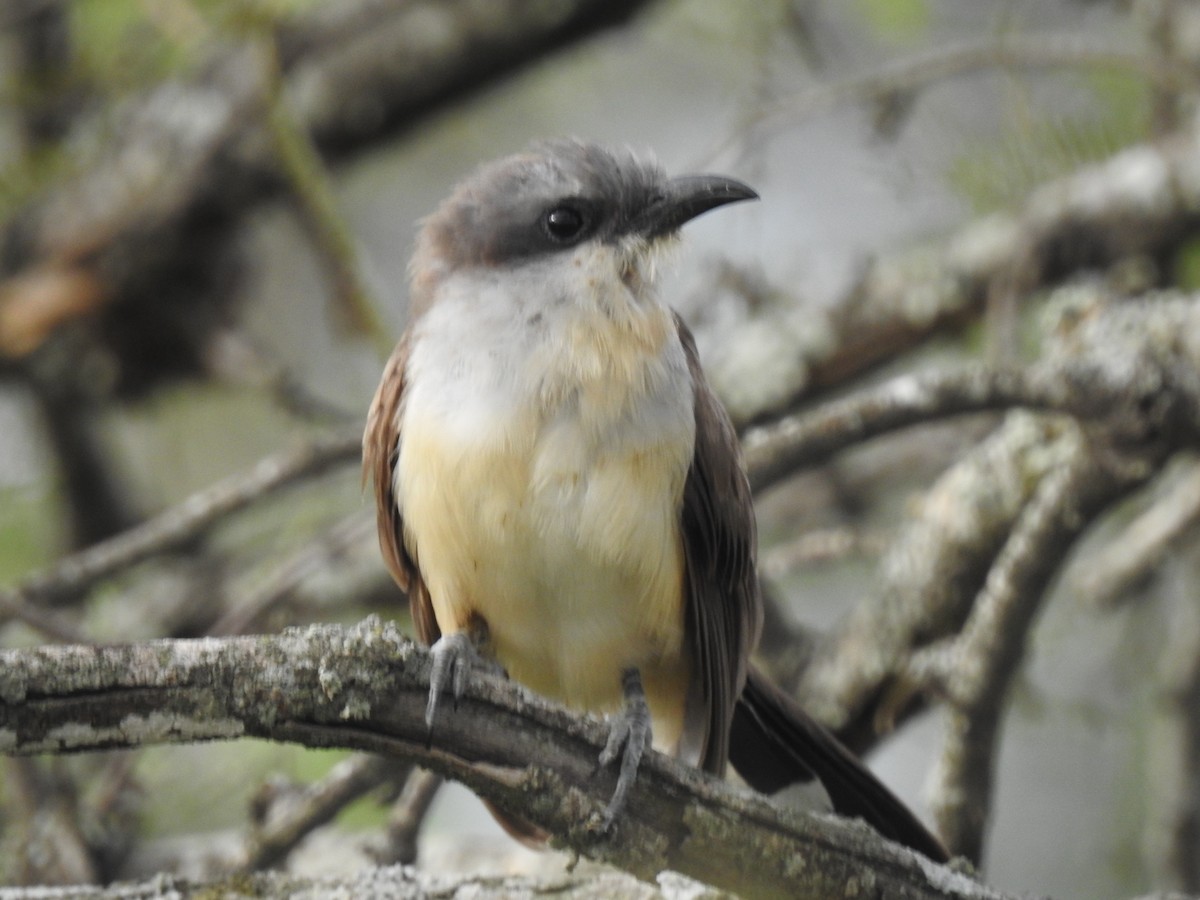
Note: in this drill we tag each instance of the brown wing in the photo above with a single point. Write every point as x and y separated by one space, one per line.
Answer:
724 610
381 442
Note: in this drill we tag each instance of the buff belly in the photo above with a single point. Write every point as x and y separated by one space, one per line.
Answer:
576 570
540 472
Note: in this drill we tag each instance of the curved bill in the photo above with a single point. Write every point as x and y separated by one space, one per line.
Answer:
684 199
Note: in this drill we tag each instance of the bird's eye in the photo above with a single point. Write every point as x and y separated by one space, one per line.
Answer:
564 224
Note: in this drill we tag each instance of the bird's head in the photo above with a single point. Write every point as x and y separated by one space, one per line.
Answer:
568 202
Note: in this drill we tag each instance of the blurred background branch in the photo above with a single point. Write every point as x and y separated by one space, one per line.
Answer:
958 336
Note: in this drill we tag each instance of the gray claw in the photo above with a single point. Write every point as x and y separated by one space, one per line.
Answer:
628 738
453 654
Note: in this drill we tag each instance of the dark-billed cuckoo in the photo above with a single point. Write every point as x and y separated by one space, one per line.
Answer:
560 492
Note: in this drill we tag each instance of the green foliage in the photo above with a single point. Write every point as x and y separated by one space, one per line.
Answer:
896 20
994 174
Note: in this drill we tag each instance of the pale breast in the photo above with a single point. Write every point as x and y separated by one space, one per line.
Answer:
540 475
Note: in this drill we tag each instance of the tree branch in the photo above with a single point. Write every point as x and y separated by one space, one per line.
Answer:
928 578
144 219
283 817
385 883
1111 361
1014 51
184 522
1143 201
1141 545
975 670
366 687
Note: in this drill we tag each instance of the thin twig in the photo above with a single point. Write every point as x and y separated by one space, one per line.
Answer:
294 815
1172 770
1163 33
804 439
819 546
408 815
186 521
50 845
1141 544
14 607
312 189
910 74
283 580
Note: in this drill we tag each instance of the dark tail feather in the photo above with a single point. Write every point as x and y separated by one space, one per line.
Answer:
774 743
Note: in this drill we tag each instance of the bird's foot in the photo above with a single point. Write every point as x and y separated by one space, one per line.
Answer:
454 656
628 737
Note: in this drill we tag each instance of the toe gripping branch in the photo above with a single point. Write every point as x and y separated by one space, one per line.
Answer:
454 656
628 737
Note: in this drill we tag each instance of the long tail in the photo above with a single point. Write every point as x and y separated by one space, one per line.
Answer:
774 743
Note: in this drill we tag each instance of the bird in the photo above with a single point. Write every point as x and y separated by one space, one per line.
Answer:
560 492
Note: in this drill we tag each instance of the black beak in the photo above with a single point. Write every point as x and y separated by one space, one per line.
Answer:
684 199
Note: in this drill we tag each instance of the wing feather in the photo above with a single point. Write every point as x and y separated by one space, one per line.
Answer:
724 609
381 446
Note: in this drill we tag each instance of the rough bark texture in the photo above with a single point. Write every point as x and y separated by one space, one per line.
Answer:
366 687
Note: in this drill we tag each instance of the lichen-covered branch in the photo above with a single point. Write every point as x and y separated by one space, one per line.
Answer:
1142 202
365 688
974 671
930 575
1113 362
385 883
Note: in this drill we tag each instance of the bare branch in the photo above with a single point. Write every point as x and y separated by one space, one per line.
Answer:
1173 733
1141 545
408 814
1143 201
1110 361
287 817
14 607
1012 51
976 669
292 573
53 849
186 521
366 688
